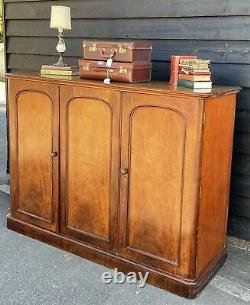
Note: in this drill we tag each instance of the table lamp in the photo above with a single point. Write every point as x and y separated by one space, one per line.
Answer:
60 19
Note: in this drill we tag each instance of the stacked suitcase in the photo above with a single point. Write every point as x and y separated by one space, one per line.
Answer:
116 61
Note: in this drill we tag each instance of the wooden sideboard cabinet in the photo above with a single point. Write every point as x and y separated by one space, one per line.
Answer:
129 176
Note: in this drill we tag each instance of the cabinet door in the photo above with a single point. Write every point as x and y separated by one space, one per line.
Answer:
89 165
159 179
33 121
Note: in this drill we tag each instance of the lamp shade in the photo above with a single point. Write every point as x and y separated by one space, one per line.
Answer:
60 17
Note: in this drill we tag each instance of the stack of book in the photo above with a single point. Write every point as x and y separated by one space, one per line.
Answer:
194 74
175 62
58 71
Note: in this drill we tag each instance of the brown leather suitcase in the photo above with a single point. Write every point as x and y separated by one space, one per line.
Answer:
121 72
122 51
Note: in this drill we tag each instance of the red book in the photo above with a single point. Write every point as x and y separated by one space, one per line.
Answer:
200 73
174 67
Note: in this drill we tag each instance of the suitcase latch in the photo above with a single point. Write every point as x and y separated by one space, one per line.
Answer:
93 48
123 71
86 68
122 50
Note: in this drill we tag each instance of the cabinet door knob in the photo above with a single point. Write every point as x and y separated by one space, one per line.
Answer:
53 155
124 171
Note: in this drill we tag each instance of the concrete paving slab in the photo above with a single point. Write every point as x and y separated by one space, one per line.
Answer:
2 62
3 134
5 188
232 288
237 267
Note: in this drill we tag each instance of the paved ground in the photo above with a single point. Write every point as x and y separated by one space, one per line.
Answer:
3 145
2 67
32 273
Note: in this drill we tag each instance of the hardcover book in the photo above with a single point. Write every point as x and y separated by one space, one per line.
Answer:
194 85
174 67
56 72
195 78
194 65
54 67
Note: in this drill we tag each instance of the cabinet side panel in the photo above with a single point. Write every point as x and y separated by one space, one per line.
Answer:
215 178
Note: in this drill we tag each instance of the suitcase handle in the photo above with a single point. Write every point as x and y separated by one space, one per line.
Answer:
106 56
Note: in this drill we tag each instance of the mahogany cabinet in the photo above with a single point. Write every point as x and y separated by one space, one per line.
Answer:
129 176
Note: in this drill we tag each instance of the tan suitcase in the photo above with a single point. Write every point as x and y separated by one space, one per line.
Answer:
121 72
117 50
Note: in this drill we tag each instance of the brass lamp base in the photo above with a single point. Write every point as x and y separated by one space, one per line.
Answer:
61 48
61 62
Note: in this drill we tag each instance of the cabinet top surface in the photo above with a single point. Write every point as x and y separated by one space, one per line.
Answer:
153 86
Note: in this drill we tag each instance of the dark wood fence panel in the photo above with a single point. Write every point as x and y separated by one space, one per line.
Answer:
241 165
130 8
241 185
237 201
213 29
243 101
239 226
242 123
242 144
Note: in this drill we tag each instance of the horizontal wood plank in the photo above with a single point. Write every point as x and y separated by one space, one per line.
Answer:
241 164
32 45
240 206
239 227
13 1
242 143
243 100
242 123
34 62
240 185
213 28
217 51
122 9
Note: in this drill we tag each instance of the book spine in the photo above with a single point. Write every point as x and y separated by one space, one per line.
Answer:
199 73
56 72
195 78
51 67
174 69
194 85
66 77
185 83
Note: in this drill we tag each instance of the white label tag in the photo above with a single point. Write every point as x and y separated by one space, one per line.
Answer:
107 81
109 62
